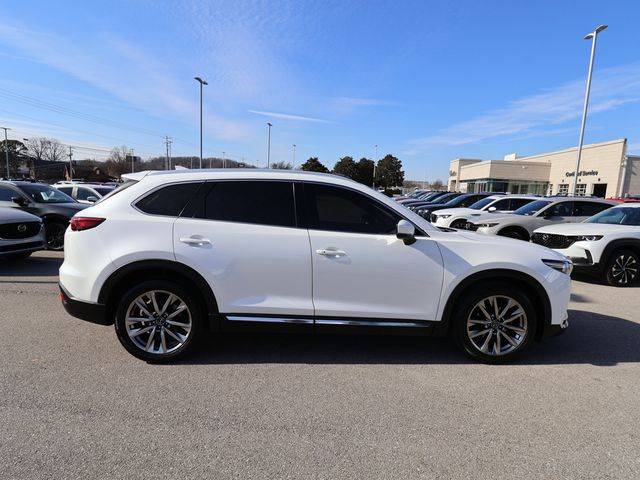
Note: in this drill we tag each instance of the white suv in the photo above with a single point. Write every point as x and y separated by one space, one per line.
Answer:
172 254
606 245
495 204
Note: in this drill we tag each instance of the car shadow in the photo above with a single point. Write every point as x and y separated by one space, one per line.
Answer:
592 338
44 264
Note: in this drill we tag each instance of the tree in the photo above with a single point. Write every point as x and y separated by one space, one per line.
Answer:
43 148
364 171
345 166
389 172
17 154
281 165
314 165
437 184
118 163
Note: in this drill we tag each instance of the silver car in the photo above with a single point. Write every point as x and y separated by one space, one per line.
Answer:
21 233
547 211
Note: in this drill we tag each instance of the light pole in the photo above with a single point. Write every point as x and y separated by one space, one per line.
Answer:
269 147
373 182
201 82
294 155
6 148
593 36
224 161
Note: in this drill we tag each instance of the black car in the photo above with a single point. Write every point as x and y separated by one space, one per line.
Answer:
442 199
50 204
425 197
461 201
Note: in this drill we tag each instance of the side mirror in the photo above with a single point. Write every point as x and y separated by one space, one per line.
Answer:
406 232
92 199
19 200
491 209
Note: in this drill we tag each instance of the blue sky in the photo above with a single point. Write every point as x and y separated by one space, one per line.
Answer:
426 81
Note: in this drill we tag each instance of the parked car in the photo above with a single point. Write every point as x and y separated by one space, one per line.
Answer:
522 222
494 204
606 245
87 193
414 206
21 234
172 254
51 205
425 197
462 201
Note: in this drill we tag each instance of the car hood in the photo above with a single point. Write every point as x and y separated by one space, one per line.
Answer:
493 217
586 229
497 241
458 211
10 214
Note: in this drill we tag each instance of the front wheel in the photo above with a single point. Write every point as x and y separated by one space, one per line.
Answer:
495 323
513 233
159 321
622 268
54 235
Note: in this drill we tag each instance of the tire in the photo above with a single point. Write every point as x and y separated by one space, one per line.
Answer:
623 268
157 339
18 256
54 235
458 224
482 334
514 233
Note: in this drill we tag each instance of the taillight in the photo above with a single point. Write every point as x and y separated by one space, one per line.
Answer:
85 223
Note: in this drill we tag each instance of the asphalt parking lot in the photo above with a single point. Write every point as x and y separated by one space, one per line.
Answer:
74 404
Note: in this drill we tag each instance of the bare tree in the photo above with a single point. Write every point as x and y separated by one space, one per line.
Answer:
43 148
281 165
117 163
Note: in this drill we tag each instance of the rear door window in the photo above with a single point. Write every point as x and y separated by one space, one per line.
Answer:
169 200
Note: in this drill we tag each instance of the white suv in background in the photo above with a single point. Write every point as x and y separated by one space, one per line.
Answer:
543 212
171 254
606 245
457 217
87 193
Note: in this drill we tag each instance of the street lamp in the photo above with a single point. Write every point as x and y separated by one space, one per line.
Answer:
6 148
373 182
593 36
294 155
201 82
269 147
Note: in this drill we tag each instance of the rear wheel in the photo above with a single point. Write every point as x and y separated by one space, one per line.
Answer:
494 323
622 269
159 321
54 235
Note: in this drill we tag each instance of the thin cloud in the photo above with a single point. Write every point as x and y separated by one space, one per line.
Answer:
611 89
286 116
347 105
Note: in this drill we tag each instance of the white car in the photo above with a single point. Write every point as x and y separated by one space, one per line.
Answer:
543 212
87 193
495 204
21 234
606 245
171 254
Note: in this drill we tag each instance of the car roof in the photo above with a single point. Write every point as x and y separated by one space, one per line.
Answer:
627 205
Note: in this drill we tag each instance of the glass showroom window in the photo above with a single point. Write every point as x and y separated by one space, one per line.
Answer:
581 189
563 189
550 192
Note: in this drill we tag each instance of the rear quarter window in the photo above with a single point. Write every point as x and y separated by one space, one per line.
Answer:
169 200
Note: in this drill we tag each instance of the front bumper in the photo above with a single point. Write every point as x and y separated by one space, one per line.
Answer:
24 247
90 312
553 330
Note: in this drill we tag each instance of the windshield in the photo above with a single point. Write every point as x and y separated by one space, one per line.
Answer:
103 190
428 196
45 194
532 208
119 189
482 203
617 216
457 200
446 198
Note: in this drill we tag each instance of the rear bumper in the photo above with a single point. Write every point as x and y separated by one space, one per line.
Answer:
90 312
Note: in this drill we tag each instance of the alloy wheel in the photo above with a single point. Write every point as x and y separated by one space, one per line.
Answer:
624 269
158 322
497 325
54 235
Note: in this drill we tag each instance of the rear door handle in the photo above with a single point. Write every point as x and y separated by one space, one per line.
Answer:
331 252
195 241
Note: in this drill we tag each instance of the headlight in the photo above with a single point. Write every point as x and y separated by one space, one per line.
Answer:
587 238
564 266
443 216
487 225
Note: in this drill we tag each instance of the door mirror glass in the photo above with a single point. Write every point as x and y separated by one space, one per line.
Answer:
19 200
92 199
406 232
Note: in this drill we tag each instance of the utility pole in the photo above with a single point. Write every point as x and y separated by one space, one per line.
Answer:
170 153
294 155
224 161
131 153
593 36
166 144
201 82
269 147
373 183
70 163
6 148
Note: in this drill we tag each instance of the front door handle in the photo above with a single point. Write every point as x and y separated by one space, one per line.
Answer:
331 252
195 241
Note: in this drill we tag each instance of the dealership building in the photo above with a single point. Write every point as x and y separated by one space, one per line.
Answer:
605 171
